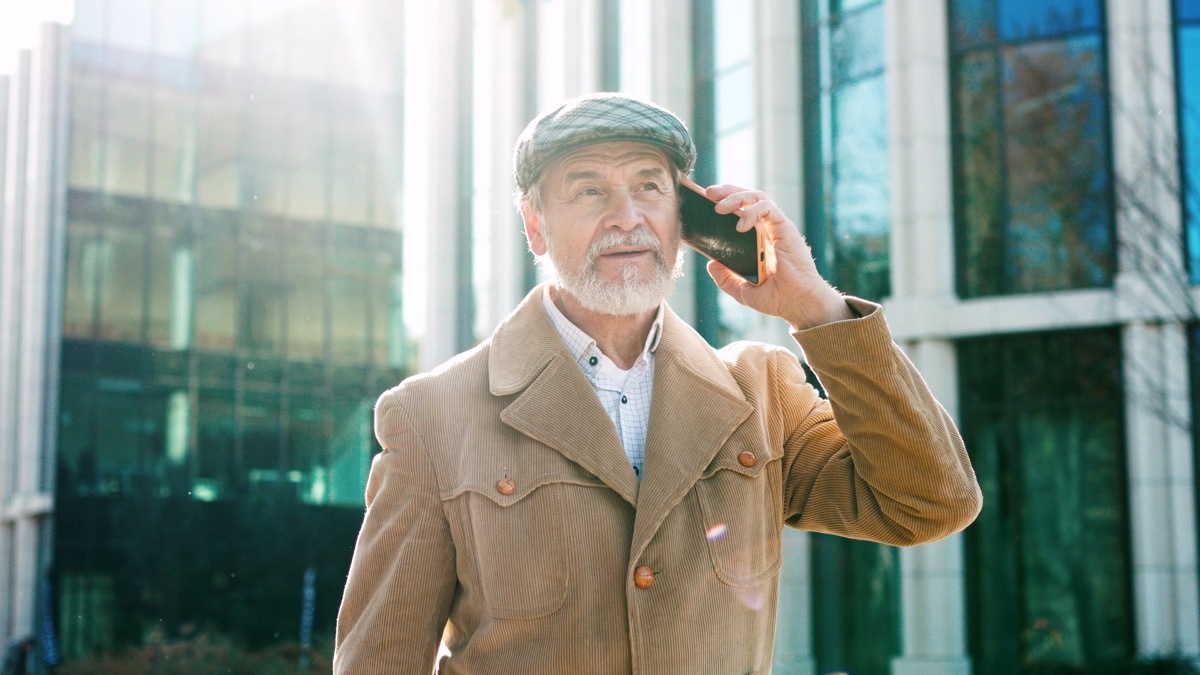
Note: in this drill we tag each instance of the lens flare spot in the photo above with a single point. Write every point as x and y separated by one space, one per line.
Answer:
716 532
751 597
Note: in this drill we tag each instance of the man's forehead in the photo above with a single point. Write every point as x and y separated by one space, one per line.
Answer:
624 155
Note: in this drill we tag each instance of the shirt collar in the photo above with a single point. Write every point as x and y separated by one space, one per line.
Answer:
580 343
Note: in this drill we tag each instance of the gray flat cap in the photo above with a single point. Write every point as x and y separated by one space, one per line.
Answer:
599 118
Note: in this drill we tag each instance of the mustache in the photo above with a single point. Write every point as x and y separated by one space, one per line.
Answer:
639 237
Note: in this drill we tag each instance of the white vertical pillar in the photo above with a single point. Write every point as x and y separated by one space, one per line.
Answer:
7 451
916 71
670 62
933 598
17 566
31 243
933 603
581 51
550 43
502 93
1152 278
1150 274
437 56
1161 491
568 50
793 632
13 218
640 52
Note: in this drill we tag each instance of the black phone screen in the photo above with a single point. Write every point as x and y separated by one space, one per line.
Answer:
716 236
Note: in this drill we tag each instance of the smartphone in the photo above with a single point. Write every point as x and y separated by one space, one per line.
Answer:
715 235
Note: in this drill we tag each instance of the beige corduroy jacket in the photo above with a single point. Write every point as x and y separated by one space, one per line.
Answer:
504 510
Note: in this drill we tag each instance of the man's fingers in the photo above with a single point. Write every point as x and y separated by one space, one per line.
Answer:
719 192
759 211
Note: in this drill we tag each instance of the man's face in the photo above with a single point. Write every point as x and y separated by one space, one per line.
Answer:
610 225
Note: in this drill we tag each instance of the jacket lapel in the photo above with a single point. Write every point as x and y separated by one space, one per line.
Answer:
555 403
695 408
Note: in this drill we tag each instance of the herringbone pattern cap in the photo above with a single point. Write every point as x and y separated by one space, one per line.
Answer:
599 118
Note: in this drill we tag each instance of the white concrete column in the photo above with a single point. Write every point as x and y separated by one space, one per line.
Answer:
17 606
12 219
638 51
1151 275
32 245
932 589
1152 281
1161 491
922 278
934 610
437 58
500 91
568 50
7 451
920 172
584 59
793 633
670 63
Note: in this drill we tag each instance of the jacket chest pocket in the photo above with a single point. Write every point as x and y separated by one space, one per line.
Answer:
741 508
518 547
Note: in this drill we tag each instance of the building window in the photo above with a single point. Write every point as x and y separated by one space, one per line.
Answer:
1048 568
846 148
1033 204
726 144
1187 67
856 605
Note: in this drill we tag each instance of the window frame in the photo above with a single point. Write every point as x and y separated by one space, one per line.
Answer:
1004 284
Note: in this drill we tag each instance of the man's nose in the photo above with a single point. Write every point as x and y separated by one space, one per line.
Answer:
624 212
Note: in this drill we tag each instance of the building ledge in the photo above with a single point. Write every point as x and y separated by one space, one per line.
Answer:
27 505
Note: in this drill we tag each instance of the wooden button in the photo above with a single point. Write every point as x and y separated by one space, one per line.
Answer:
643 577
747 459
506 486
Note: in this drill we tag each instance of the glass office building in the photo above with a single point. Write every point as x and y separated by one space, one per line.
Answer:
230 309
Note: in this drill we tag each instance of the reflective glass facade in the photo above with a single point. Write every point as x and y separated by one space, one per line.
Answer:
1033 204
723 130
735 148
846 157
1048 560
231 310
1187 67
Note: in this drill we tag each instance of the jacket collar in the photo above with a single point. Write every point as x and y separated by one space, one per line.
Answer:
695 408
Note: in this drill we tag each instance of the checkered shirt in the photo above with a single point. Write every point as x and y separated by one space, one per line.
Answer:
624 394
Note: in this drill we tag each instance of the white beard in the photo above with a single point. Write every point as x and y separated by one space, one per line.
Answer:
630 295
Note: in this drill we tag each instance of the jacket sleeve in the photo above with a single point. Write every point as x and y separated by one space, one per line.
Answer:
880 459
402 577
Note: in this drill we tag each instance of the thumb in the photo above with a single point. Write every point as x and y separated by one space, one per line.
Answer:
728 281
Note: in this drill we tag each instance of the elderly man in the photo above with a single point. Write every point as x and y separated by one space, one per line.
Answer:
594 489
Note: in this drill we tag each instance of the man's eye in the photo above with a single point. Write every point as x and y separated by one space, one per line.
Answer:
588 192
651 187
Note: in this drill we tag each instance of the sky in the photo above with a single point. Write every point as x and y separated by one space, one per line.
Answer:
19 21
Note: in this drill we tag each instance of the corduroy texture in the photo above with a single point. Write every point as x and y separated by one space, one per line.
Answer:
541 580
599 118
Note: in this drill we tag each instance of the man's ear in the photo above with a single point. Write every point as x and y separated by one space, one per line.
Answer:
533 229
